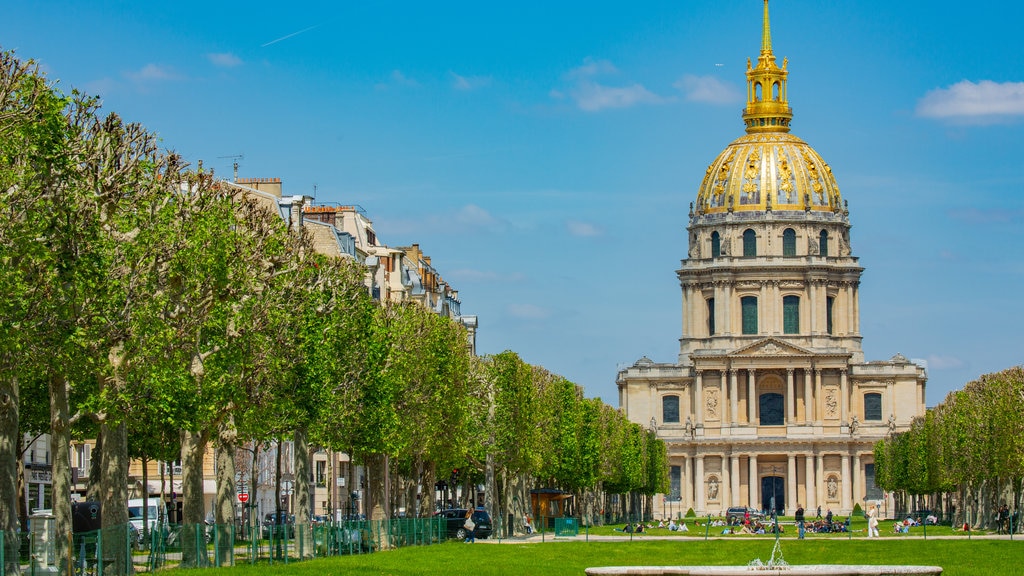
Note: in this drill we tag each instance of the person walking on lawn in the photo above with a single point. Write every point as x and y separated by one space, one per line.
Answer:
799 517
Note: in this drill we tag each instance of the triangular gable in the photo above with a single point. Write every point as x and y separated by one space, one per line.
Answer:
771 347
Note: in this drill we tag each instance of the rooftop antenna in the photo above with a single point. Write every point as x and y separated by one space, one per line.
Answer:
314 191
236 158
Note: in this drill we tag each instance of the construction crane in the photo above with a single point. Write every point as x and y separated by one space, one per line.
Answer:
235 159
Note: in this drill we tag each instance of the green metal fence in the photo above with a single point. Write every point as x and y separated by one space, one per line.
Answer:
565 527
120 550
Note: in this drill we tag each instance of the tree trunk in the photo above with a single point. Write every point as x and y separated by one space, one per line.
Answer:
193 543
60 444
114 498
9 456
92 491
302 493
224 511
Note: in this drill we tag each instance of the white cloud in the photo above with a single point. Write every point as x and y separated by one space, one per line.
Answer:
591 95
484 276
707 89
965 101
152 73
467 83
473 215
583 229
224 59
987 216
527 311
397 78
944 362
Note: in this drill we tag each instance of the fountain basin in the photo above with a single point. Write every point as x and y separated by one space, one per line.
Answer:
804 570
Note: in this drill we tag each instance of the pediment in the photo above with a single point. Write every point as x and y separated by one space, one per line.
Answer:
771 347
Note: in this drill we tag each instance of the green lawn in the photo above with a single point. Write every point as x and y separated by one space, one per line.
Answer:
959 557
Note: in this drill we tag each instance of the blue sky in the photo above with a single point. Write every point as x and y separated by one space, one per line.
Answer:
544 154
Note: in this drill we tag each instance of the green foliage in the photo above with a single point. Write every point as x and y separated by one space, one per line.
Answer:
690 513
857 510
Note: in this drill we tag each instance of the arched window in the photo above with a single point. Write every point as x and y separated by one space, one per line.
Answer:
789 242
749 243
757 91
873 406
791 314
823 242
670 409
711 316
748 304
716 245
771 409
775 91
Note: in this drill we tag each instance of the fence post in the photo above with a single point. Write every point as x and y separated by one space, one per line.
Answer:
707 527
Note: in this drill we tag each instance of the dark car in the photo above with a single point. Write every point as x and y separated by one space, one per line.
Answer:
456 520
278 525
737 514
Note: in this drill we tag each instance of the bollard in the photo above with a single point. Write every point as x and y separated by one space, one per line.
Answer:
707 527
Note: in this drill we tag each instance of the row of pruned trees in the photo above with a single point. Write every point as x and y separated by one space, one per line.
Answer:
971 447
162 313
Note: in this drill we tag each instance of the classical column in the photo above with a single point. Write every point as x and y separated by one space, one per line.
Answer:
820 476
817 395
751 398
762 309
791 495
698 484
808 400
698 399
776 308
725 486
687 490
754 481
844 468
850 316
812 291
810 487
856 309
734 464
858 490
790 398
844 391
734 401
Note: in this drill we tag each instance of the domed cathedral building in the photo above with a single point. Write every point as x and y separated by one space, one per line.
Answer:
771 398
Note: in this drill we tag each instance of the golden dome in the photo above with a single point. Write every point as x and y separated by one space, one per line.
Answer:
768 169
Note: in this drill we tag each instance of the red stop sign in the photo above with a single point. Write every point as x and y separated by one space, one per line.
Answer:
243 497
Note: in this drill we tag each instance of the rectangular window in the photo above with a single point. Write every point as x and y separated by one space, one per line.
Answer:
321 473
873 406
711 316
791 315
829 301
670 409
675 475
748 304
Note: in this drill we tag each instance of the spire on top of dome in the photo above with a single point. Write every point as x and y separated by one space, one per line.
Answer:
767 106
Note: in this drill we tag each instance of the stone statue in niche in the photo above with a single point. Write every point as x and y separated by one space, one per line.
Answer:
892 423
713 489
812 247
712 404
854 425
833 488
688 427
844 244
723 245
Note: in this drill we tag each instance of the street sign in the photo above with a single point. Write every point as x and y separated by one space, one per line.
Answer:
243 497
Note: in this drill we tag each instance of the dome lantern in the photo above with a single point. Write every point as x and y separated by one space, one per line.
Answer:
767 103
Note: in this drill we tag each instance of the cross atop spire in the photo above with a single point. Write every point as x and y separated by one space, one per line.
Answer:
767 102
766 34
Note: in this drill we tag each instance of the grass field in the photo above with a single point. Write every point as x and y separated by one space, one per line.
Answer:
958 556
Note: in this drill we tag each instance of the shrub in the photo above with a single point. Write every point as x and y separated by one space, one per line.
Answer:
857 510
690 513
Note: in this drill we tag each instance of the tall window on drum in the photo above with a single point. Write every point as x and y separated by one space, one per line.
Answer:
748 306
829 304
670 410
749 243
791 315
716 245
789 242
823 243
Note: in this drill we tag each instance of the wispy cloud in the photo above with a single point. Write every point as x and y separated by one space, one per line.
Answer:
397 78
939 362
287 36
473 215
707 89
484 276
986 102
224 59
527 311
470 219
467 83
592 96
152 73
583 229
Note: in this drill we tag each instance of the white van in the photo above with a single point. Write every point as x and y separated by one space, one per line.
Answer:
136 508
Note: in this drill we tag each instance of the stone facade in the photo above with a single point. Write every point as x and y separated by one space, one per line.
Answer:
771 398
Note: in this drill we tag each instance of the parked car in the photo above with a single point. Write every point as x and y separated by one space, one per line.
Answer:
456 519
736 514
278 525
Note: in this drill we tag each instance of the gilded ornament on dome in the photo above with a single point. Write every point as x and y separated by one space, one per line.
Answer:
751 179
